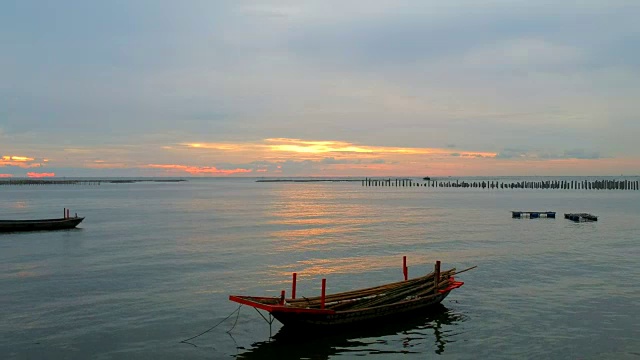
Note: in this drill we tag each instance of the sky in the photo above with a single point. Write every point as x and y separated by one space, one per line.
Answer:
319 88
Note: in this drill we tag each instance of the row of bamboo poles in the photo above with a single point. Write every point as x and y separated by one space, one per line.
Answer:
547 184
424 287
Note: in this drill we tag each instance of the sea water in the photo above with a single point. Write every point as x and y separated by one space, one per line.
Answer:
153 264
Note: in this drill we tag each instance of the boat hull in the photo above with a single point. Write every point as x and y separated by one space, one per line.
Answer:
39 225
356 317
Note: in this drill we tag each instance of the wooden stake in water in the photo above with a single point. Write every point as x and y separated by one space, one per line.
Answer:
293 286
436 279
405 272
322 296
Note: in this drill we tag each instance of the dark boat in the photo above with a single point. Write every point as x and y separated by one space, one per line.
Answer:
40 224
356 307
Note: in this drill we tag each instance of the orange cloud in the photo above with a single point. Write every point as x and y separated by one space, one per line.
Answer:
40 175
198 170
19 161
296 149
5 175
222 146
315 147
323 147
101 164
17 158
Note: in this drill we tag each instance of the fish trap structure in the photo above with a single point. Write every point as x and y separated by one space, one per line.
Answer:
605 184
579 217
533 214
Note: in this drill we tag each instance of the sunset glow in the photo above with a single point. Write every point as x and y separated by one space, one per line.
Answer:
284 156
17 158
102 164
314 147
222 146
19 161
40 175
313 157
283 148
196 170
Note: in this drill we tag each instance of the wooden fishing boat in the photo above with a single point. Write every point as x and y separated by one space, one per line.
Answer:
39 224
359 306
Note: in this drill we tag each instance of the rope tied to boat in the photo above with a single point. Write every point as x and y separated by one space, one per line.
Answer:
186 341
271 318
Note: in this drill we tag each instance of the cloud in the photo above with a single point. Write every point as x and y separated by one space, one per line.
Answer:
522 154
270 155
340 161
196 170
581 154
40 175
21 161
271 11
419 32
17 158
524 53
304 146
334 161
318 149
289 167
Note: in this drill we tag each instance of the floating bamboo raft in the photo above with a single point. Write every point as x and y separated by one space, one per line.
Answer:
533 214
580 217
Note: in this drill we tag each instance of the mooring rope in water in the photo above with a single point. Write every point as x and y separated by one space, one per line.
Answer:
270 321
186 341
235 322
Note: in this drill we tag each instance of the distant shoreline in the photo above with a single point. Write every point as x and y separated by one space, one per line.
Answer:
80 182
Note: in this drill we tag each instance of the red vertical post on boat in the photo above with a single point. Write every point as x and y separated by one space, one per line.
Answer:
437 276
282 298
324 288
293 286
67 213
404 268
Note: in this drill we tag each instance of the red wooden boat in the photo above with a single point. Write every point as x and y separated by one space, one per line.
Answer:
358 306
